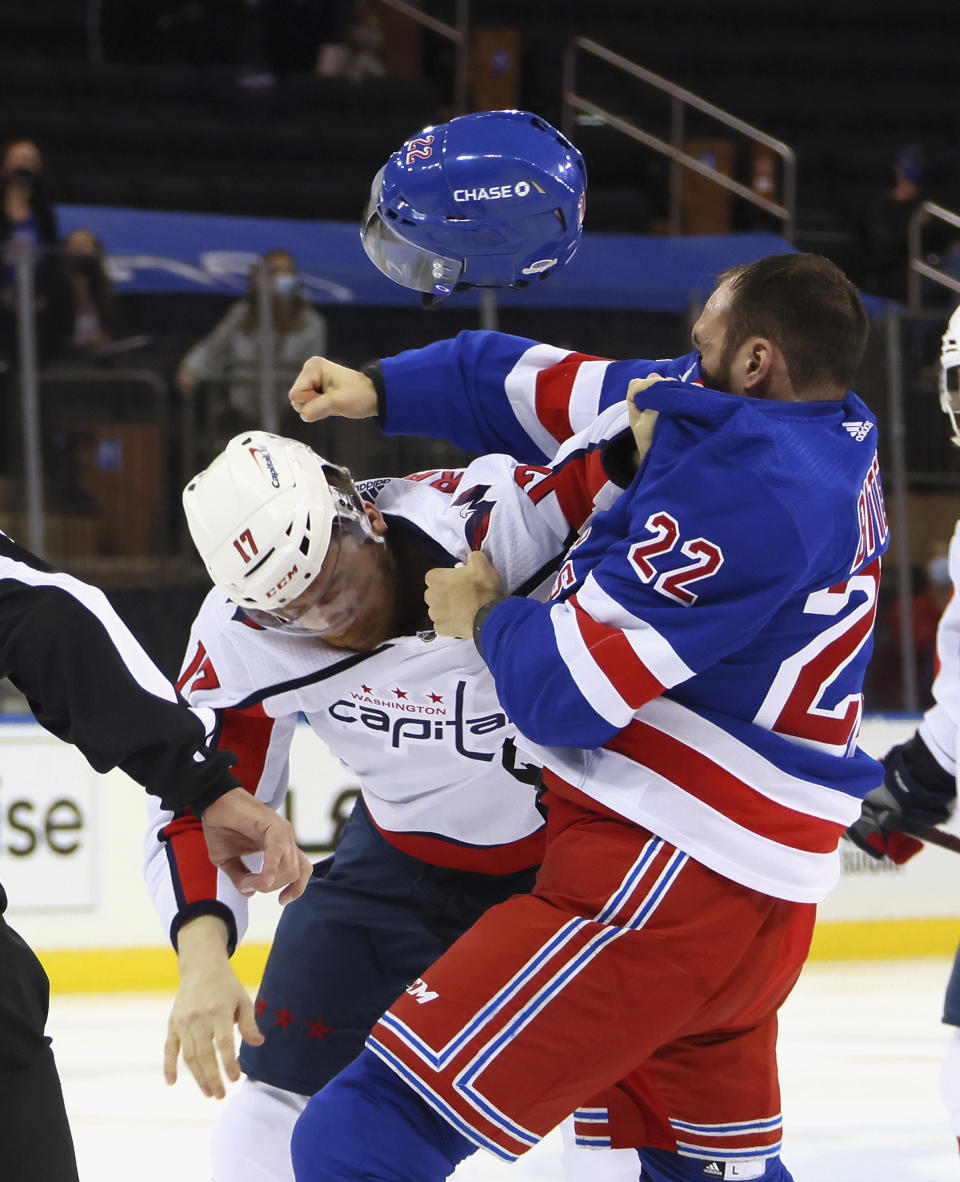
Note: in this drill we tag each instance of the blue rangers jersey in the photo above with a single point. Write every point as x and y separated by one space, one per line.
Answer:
416 721
699 670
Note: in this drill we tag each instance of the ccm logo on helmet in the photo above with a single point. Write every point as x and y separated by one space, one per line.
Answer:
493 192
283 582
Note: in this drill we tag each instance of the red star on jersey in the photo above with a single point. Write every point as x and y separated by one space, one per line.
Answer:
318 1029
366 689
400 693
435 697
284 1017
260 1006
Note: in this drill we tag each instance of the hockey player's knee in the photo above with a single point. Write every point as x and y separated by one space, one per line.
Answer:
367 1123
661 1166
251 1138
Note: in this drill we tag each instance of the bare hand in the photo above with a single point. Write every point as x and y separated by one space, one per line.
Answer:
454 596
642 422
324 388
208 1003
239 824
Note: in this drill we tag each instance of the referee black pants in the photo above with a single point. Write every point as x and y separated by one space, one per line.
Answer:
34 1134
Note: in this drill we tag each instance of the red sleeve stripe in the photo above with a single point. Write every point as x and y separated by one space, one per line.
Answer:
575 483
577 490
554 387
702 777
191 668
194 875
247 734
617 660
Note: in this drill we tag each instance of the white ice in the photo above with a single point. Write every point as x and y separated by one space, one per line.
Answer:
859 1051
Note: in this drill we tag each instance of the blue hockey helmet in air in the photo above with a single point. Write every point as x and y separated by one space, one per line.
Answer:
492 199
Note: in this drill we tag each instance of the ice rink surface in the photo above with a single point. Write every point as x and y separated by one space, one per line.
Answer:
859 1051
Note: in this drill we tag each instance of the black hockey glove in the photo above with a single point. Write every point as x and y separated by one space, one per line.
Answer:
915 791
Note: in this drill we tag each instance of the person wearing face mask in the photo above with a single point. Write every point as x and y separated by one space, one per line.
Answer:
90 290
26 215
229 355
25 211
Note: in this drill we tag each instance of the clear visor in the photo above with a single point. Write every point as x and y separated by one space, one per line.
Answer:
402 261
950 395
335 596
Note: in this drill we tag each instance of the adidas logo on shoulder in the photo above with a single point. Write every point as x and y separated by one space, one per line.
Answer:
857 430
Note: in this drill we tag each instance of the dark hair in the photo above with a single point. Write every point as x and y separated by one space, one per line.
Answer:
808 308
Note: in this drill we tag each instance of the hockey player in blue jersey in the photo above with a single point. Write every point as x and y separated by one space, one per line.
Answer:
694 692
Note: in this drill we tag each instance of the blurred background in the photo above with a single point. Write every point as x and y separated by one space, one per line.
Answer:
182 182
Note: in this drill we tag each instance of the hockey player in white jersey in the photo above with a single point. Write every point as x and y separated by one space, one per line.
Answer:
318 608
920 786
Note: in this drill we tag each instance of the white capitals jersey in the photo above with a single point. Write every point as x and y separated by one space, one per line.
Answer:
940 729
416 722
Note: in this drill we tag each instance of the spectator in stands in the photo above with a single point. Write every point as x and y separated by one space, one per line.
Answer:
230 355
26 215
883 227
90 292
296 36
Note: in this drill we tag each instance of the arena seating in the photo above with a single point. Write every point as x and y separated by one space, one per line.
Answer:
837 81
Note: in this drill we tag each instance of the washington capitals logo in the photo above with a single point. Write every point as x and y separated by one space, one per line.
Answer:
476 512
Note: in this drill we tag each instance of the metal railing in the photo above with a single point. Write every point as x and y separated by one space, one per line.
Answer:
142 384
919 268
680 99
36 389
458 33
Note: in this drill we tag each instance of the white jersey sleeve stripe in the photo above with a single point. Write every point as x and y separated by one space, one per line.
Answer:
589 678
584 404
651 647
521 387
662 806
748 765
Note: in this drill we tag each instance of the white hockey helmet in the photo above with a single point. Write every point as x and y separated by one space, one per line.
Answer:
950 373
266 516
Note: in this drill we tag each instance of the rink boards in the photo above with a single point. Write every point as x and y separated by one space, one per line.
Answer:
71 850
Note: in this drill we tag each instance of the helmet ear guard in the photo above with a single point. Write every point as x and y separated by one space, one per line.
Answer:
491 199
